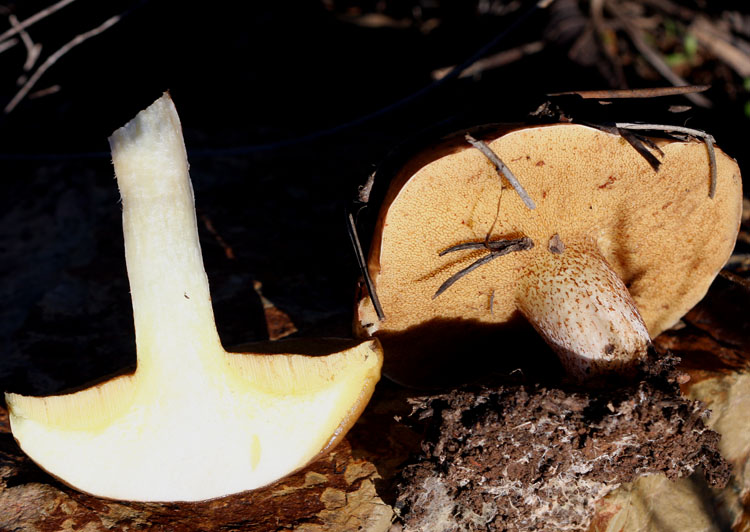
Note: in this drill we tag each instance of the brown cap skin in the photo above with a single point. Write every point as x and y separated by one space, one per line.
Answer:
635 249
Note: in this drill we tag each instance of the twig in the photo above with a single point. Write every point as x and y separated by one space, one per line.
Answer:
653 57
34 18
362 263
44 92
470 268
501 169
8 44
497 60
492 245
708 139
667 128
500 248
32 50
656 92
651 144
635 141
52 59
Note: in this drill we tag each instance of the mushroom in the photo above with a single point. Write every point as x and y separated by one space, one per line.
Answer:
193 422
613 253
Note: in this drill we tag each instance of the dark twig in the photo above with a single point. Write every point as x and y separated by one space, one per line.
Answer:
492 245
636 143
708 139
634 93
651 144
362 263
473 266
508 246
501 169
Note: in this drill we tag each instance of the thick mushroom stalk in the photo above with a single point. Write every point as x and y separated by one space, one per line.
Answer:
583 310
193 422
174 319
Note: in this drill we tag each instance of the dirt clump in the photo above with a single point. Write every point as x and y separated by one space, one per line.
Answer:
526 457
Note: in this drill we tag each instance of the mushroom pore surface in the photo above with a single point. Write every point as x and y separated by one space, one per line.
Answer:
656 237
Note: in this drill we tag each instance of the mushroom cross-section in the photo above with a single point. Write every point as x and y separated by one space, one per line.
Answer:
620 251
193 422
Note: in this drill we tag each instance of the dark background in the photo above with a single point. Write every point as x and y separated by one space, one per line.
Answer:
286 108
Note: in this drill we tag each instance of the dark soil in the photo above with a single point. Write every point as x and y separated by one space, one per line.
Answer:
522 457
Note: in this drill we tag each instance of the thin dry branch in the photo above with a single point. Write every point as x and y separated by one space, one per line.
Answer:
497 60
611 94
502 169
497 248
362 263
52 59
8 44
34 18
44 92
638 145
32 49
708 139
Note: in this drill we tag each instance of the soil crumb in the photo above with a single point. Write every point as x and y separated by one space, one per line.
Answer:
523 457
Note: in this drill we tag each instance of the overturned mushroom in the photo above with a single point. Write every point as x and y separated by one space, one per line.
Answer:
193 422
620 252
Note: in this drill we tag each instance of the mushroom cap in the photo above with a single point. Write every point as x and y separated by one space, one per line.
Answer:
659 231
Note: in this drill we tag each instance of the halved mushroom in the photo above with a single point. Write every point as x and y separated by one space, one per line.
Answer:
193 422
613 254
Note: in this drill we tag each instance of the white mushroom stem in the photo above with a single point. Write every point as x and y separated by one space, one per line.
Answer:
584 312
171 299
